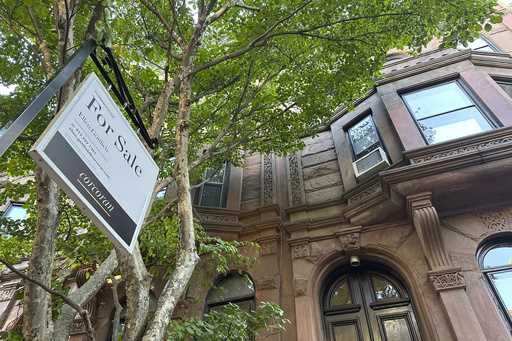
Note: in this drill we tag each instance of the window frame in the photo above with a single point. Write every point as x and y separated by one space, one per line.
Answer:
503 80
489 43
14 204
353 123
465 89
224 188
496 242
235 299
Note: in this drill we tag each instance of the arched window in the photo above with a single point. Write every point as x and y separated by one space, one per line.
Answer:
233 288
368 303
496 264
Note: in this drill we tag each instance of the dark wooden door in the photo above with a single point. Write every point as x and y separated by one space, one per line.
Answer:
368 305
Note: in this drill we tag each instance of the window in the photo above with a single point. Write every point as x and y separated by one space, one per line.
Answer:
506 85
214 190
363 137
15 211
367 303
479 44
445 112
496 265
232 288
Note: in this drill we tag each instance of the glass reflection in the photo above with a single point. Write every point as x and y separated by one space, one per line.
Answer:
500 256
397 330
383 288
341 295
502 281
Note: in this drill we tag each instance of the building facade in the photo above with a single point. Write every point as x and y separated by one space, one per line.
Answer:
393 223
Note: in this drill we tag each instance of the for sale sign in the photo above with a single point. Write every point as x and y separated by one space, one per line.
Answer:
99 161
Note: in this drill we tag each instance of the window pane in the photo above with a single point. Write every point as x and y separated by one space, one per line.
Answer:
16 212
500 256
383 288
363 135
340 295
502 281
507 87
453 125
232 287
397 330
437 100
479 44
347 332
214 175
211 196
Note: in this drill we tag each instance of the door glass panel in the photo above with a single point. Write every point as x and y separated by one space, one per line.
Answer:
502 281
397 330
345 332
500 256
383 288
340 295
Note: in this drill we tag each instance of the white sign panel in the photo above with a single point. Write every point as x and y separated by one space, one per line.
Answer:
96 157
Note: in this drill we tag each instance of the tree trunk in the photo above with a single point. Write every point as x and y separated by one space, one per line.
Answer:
188 257
37 319
137 284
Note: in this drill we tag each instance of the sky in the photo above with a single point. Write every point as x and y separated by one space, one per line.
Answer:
5 90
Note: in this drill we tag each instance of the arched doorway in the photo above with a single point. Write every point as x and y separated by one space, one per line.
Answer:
367 303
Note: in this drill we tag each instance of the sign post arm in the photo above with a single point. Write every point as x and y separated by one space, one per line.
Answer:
51 88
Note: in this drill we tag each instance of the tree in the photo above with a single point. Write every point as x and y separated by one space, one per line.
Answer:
215 80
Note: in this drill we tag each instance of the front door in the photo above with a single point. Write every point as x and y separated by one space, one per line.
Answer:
368 305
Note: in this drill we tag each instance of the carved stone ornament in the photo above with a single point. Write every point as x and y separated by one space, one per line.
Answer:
300 286
220 219
447 279
268 282
301 250
6 291
462 150
268 247
350 241
268 180
365 194
296 189
494 220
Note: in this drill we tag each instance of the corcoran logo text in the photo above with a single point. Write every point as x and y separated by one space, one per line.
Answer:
95 193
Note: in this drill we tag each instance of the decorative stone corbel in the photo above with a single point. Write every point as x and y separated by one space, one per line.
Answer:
426 222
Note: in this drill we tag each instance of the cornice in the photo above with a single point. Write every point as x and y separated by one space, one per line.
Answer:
461 153
311 224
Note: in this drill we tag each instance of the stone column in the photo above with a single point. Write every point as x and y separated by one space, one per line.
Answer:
447 279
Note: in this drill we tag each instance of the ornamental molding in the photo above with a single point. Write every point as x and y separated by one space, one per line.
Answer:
300 286
366 193
447 279
495 220
219 219
496 138
268 180
350 241
6 291
295 181
301 250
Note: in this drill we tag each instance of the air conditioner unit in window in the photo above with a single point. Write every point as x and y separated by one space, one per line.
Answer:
373 161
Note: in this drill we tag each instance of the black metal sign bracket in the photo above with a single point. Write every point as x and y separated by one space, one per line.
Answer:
63 75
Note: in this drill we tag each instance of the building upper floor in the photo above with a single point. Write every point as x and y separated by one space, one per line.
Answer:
439 121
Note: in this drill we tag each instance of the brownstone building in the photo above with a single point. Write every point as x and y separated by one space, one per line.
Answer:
393 223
